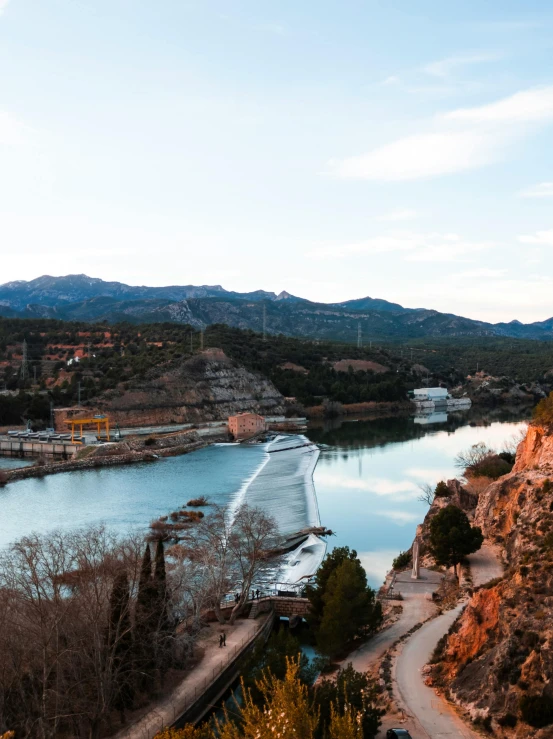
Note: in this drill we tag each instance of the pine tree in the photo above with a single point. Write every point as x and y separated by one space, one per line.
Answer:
120 643
349 608
160 579
145 620
316 592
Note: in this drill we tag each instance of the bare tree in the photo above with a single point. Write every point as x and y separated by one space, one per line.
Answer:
254 536
232 551
427 493
473 455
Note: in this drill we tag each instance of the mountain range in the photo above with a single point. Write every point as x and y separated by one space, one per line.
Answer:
83 298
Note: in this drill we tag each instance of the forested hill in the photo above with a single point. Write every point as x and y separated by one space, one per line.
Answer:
65 356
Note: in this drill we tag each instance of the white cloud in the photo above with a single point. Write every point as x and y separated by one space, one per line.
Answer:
401 214
460 140
543 238
541 190
418 156
444 67
527 106
418 247
3 4
400 517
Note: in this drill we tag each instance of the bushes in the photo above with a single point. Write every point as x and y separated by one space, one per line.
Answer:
442 491
543 412
402 560
197 502
537 710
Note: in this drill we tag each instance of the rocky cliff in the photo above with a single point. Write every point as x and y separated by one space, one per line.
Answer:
206 387
498 660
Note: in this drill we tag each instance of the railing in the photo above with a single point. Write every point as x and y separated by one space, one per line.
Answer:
173 707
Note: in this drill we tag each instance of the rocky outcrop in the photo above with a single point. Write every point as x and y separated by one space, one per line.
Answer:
498 662
206 387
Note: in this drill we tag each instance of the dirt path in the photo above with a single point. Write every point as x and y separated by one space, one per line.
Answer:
215 659
431 716
485 564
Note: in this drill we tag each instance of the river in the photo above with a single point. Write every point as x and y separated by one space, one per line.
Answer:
366 483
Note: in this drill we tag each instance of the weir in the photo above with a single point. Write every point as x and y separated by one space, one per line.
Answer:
283 488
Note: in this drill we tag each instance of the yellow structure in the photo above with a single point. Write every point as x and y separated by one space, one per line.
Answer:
99 421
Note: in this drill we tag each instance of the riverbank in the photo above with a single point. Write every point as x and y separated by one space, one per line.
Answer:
131 451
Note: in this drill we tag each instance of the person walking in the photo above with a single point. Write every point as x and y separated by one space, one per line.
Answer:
224 639
237 598
257 594
220 641
253 594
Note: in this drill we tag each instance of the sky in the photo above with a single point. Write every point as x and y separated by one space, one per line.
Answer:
331 148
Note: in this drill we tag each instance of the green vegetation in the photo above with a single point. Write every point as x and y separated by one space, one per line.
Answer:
402 560
343 607
452 537
543 412
345 709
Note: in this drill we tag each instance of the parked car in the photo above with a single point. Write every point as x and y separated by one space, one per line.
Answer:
398 734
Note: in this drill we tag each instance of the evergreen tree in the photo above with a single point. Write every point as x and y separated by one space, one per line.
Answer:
146 617
316 591
120 643
160 581
349 610
452 537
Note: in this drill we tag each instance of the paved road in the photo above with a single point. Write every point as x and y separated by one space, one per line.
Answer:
433 717
417 607
485 564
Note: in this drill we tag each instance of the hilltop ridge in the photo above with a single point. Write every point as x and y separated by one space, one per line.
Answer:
79 297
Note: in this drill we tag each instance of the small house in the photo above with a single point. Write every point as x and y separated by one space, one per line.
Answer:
244 425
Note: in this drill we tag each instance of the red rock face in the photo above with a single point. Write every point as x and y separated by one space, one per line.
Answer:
501 648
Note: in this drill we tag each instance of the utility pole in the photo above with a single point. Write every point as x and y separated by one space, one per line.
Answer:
24 371
51 414
202 340
264 322
359 343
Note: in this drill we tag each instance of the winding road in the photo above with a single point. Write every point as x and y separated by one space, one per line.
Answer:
430 716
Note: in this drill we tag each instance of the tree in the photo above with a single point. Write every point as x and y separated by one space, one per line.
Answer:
315 592
120 643
350 693
349 610
274 657
146 618
160 581
452 537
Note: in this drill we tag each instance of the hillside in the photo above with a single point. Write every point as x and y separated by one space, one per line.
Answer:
498 660
79 297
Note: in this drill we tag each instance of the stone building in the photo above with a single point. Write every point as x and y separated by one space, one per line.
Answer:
244 425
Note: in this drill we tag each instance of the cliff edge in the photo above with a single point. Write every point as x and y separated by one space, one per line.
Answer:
498 658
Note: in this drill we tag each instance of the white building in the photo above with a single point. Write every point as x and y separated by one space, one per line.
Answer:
430 393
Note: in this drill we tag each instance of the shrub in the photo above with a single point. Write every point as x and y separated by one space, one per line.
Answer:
442 491
536 710
492 466
509 719
196 502
402 560
543 412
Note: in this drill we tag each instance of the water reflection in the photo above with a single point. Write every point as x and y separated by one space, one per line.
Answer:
370 470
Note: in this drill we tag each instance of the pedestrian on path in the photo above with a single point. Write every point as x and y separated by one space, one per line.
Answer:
257 594
224 639
253 594
220 641
237 598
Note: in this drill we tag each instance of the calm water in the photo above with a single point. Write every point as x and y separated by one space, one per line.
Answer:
368 475
11 463
366 482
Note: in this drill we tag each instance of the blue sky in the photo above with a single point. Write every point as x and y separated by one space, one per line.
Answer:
396 149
